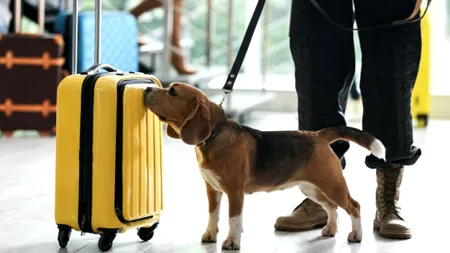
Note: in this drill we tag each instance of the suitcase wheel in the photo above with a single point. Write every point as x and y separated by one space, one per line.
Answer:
106 241
147 233
64 236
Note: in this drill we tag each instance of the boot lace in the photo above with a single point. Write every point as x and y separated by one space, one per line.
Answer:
391 193
306 204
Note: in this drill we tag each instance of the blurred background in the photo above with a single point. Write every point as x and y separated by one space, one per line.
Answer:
211 33
263 97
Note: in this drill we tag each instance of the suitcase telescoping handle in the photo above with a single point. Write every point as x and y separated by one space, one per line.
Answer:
98 20
18 15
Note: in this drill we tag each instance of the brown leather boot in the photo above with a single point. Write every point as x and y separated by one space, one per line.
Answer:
180 66
388 221
306 216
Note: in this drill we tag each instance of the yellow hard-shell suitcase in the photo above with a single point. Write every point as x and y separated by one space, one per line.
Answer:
109 168
108 156
420 106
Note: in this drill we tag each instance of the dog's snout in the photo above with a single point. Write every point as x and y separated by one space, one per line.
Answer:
149 98
148 90
146 97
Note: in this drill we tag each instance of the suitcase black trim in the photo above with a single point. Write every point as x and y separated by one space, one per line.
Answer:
118 198
85 155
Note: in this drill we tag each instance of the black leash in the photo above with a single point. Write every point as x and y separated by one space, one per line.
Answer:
228 87
400 22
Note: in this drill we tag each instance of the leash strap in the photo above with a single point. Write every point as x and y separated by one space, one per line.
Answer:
227 88
396 23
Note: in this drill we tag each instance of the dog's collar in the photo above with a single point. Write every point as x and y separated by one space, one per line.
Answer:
214 135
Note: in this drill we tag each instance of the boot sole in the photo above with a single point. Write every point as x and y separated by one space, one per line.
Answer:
392 234
305 227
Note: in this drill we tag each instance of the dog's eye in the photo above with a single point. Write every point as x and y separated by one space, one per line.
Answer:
172 92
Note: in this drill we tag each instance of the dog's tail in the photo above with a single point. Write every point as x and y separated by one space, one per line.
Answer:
361 138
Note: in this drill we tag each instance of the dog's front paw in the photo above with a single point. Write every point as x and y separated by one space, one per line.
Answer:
329 230
232 243
355 236
209 237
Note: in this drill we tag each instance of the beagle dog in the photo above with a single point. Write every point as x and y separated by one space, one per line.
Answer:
235 159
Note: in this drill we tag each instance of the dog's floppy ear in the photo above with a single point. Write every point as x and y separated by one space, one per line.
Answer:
197 127
171 132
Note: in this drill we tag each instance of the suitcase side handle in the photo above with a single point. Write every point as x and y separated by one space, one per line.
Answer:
96 67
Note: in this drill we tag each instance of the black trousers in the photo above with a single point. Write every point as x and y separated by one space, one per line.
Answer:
324 61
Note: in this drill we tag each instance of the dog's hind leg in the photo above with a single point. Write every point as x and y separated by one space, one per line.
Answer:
327 176
335 189
313 193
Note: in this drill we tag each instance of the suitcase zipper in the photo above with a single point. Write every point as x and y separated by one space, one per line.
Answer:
119 129
85 153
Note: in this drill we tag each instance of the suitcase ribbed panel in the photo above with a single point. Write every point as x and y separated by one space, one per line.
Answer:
141 157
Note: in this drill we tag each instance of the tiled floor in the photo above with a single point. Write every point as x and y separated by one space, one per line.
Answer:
27 190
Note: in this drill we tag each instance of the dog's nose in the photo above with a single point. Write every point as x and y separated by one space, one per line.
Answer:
148 90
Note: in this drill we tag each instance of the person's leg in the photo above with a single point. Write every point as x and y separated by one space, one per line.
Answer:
390 63
176 59
324 70
144 6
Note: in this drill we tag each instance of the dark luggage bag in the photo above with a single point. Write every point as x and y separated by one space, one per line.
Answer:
30 71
